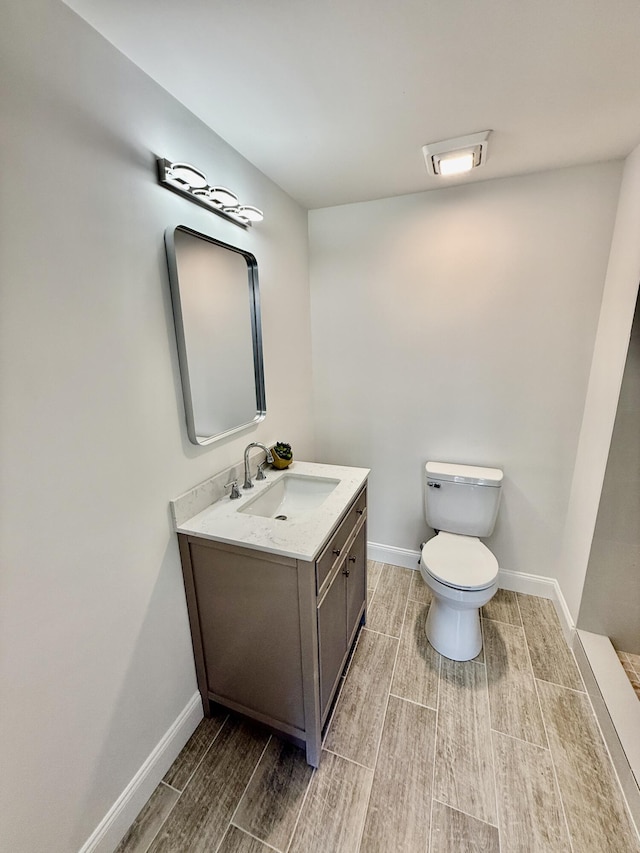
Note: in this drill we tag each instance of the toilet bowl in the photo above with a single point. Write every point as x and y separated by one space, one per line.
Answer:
461 504
462 573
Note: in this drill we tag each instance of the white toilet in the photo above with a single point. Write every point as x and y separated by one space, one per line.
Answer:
461 503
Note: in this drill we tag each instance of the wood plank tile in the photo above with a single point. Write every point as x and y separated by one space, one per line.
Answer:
551 657
359 714
200 818
531 817
374 569
387 607
594 806
333 813
178 774
464 764
454 832
237 841
271 804
146 826
399 809
418 664
503 607
513 700
634 660
419 591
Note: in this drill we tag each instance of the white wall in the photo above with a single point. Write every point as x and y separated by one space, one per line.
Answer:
612 342
459 325
96 654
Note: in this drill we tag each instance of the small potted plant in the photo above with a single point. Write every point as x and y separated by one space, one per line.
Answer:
282 454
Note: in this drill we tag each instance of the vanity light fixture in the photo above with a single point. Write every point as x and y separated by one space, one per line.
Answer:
190 182
456 156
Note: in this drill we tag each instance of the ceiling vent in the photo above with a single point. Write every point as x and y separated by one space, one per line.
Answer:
456 156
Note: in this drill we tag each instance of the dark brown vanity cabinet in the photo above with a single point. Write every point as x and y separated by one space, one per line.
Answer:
272 634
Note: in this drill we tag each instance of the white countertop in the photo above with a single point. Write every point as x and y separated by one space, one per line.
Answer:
300 538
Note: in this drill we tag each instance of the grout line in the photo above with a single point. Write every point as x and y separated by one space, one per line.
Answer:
375 586
336 699
502 622
412 701
521 739
381 633
202 757
467 814
178 791
494 764
419 600
435 746
162 823
346 758
343 679
304 802
557 684
246 787
384 717
546 734
533 675
255 837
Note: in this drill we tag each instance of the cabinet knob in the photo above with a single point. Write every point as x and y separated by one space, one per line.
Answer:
345 572
359 511
352 559
336 551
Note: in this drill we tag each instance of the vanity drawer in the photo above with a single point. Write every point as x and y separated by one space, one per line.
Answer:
337 542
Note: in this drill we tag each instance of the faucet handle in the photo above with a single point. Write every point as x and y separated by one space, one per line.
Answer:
261 475
235 493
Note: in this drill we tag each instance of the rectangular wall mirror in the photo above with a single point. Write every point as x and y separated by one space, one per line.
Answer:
216 311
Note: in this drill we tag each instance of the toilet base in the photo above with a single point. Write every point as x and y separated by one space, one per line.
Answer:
453 632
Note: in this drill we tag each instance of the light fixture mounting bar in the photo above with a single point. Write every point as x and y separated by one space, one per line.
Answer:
189 182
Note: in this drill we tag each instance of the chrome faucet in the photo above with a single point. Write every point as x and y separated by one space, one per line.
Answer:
247 474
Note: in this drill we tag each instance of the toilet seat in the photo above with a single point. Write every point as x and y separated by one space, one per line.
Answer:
460 562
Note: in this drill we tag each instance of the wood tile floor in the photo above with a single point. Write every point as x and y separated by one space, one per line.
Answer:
631 665
422 755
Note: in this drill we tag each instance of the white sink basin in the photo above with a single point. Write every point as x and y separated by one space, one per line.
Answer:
290 497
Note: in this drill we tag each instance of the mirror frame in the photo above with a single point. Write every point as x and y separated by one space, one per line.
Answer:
256 333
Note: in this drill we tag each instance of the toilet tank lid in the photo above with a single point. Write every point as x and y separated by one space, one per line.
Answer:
464 473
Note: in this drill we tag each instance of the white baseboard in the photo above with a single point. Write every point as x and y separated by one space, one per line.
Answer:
394 556
126 808
544 588
538 585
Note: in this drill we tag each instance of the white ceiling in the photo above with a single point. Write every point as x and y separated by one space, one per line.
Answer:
333 99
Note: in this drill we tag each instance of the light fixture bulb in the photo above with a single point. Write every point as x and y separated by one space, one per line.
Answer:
456 164
188 175
223 196
248 211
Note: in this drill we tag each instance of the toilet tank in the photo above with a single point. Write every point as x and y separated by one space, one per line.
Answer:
462 499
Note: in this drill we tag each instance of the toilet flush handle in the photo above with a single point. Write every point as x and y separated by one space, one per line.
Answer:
433 485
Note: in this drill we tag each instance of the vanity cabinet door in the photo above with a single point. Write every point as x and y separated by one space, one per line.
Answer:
332 635
356 583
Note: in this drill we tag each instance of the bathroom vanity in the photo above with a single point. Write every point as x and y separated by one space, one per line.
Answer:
275 603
